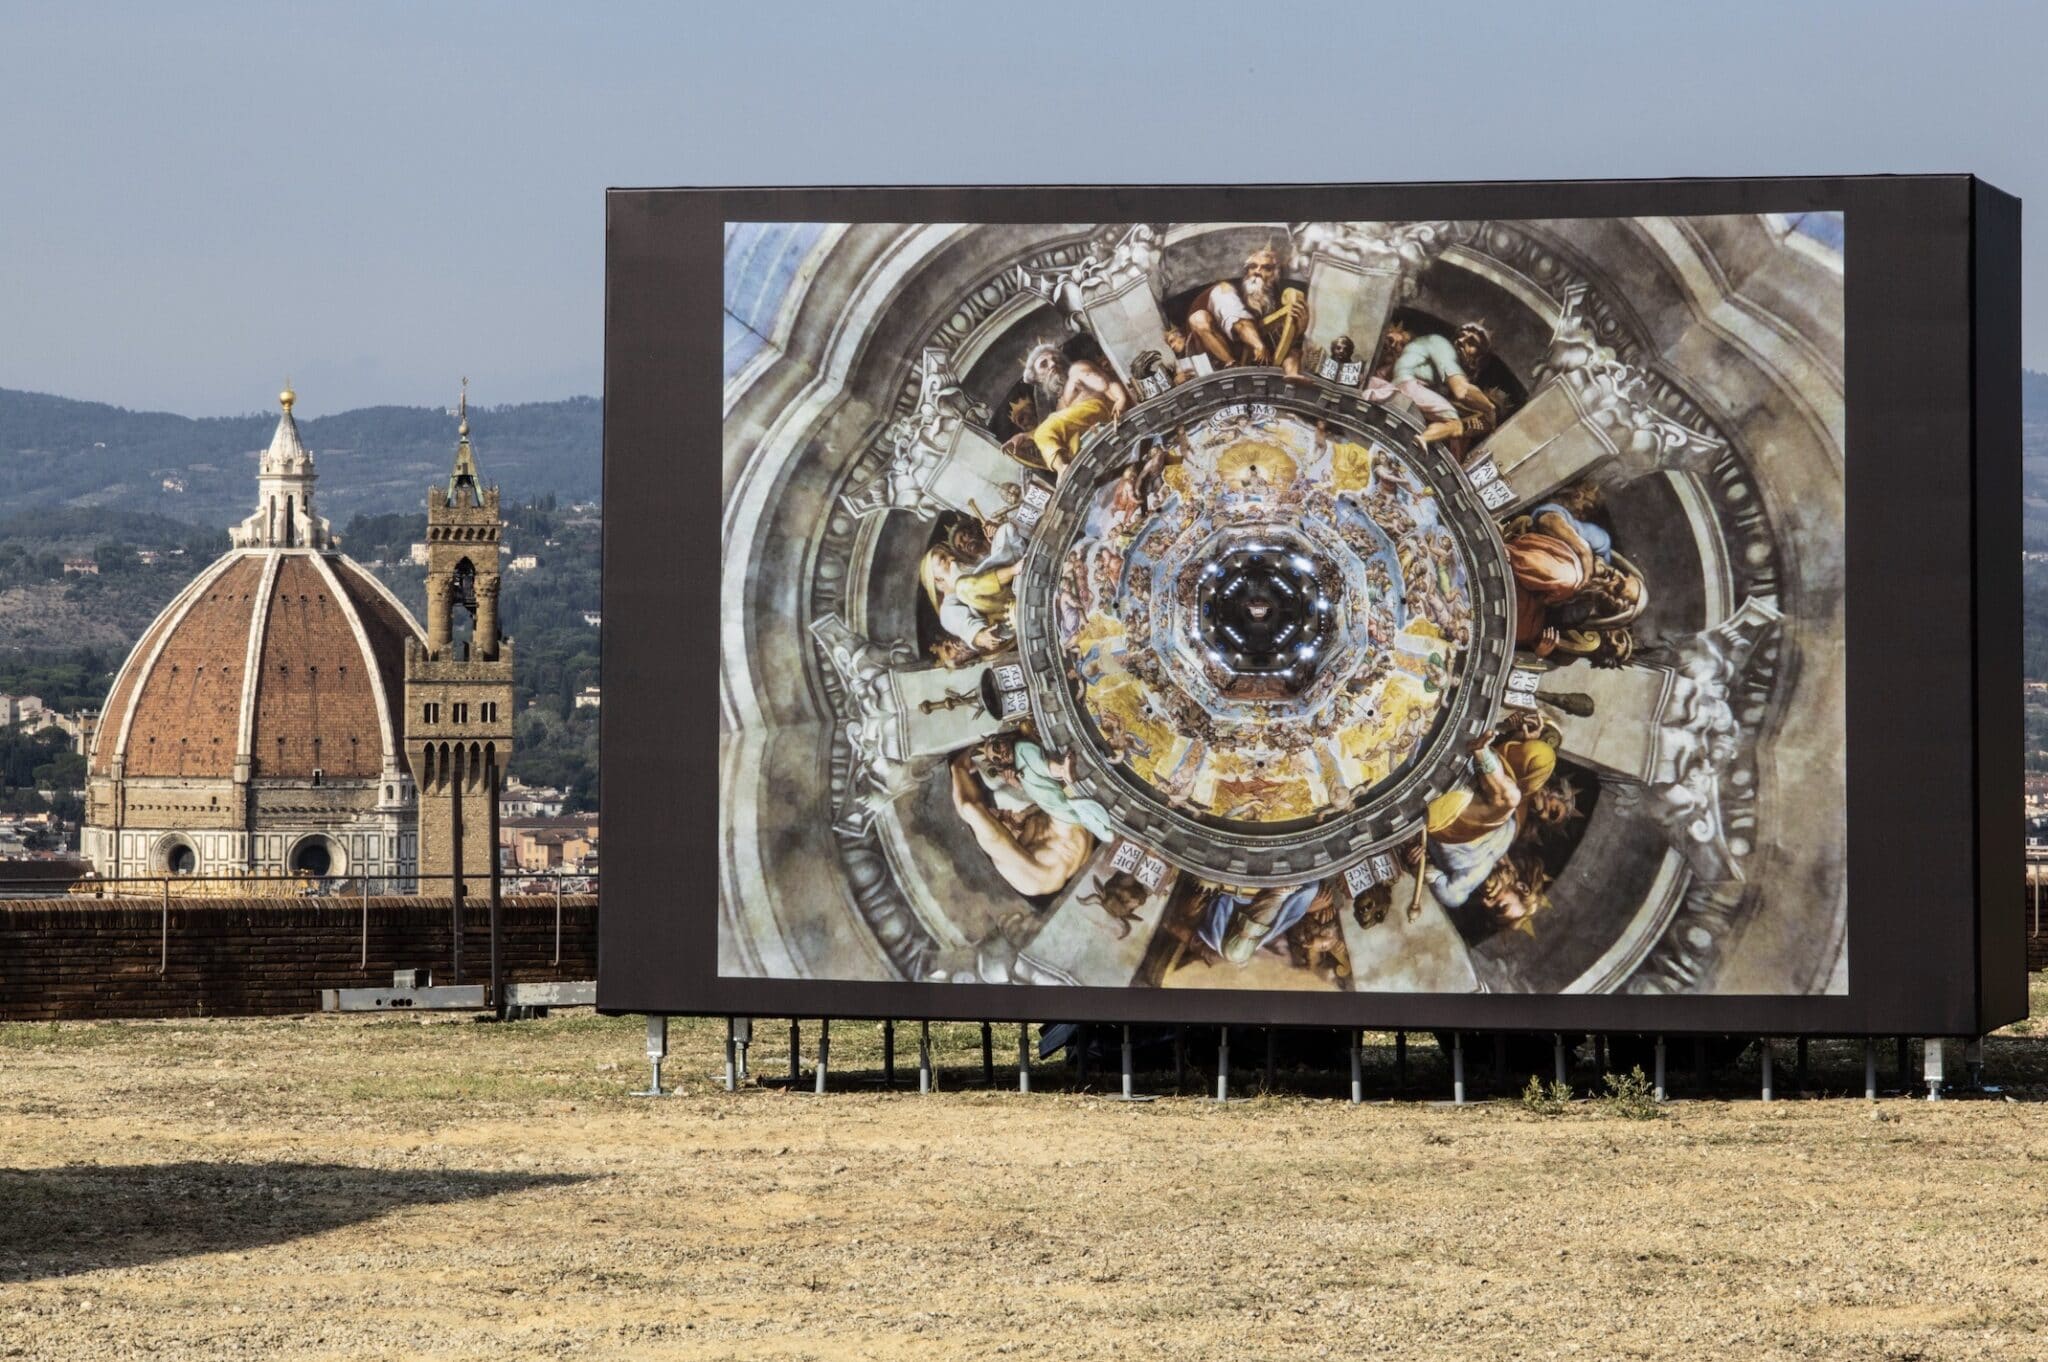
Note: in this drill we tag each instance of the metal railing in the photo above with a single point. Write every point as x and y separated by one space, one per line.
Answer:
466 888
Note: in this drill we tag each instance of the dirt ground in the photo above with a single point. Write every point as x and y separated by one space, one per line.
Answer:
445 1188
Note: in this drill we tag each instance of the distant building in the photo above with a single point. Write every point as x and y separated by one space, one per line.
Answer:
564 843
525 562
520 800
76 728
551 850
587 698
257 725
593 618
84 567
34 716
458 686
419 555
149 557
174 484
287 713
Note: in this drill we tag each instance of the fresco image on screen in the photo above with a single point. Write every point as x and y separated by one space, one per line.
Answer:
1425 607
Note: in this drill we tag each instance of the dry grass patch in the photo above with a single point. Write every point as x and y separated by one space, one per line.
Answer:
412 1187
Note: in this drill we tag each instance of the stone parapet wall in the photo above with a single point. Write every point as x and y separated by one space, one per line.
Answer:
72 958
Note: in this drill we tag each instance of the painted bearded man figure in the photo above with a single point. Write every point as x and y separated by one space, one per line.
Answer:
1475 845
1574 596
974 597
1036 833
1435 372
1251 320
1079 394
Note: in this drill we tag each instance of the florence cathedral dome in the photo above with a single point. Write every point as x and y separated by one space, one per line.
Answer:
257 726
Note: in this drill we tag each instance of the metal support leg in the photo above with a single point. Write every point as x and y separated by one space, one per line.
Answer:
1558 1060
1023 1056
1078 1048
1180 1059
1905 1069
1272 1057
1127 1064
1932 1055
1660 1069
657 1050
1223 1064
1401 1061
1973 1060
1357 1068
924 1056
824 1052
745 1028
1600 1052
1458 1068
988 1055
1764 1044
888 1054
796 1052
732 1058
1869 1070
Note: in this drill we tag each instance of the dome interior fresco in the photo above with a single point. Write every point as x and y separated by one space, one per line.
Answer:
1434 607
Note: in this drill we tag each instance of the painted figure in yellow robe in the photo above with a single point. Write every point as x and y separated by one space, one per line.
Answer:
1471 831
1080 394
974 600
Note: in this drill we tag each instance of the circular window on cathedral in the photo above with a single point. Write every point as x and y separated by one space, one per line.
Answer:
178 857
316 856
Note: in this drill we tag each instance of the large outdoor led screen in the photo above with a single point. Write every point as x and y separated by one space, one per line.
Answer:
1290 605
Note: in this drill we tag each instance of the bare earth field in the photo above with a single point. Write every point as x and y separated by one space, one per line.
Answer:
408 1187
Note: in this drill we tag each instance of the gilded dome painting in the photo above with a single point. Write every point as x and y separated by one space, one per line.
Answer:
1400 607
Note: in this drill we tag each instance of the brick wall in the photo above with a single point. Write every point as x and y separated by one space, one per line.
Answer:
72 958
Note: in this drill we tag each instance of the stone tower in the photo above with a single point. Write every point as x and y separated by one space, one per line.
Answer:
458 684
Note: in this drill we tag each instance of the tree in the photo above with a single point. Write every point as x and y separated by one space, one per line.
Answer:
66 772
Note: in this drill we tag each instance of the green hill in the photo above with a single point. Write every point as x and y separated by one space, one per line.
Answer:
58 453
148 496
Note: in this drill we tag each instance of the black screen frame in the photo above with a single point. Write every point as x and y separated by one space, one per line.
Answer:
1935 720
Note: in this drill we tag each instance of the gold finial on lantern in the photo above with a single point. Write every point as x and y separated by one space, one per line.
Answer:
287 397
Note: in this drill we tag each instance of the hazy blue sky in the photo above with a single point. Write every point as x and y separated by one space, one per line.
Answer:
196 200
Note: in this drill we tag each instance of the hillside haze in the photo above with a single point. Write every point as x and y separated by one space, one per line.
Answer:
57 453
